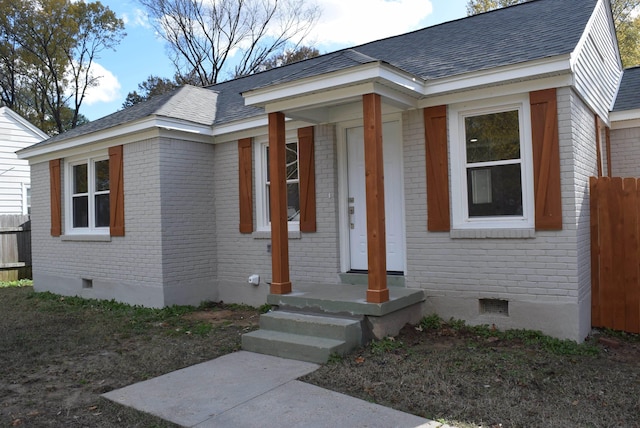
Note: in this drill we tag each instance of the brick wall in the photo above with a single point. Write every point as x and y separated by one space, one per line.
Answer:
625 152
188 216
313 257
535 274
127 268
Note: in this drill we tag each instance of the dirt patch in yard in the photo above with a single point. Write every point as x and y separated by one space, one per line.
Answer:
58 355
470 377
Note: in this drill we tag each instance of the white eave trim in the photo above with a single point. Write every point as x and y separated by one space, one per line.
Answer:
507 74
352 76
145 124
625 119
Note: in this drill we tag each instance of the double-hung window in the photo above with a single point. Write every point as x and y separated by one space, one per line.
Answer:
87 203
263 185
491 166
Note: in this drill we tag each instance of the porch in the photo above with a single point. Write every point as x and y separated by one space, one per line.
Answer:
314 321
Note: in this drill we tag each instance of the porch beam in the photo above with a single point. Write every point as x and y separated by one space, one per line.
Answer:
280 282
377 291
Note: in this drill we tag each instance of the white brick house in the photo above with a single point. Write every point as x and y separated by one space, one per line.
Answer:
486 134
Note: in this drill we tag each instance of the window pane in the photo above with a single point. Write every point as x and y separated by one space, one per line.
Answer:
268 203
81 211
102 175
494 191
102 210
292 161
293 202
268 165
80 178
492 137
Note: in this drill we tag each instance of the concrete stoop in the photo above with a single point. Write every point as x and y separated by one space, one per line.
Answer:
305 337
317 320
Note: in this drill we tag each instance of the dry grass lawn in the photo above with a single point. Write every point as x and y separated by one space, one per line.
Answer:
57 355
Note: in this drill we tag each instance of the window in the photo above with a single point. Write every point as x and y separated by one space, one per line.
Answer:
87 204
26 198
491 159
263 185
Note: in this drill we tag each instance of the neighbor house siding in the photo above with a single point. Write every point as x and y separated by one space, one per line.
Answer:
313 256
597 68
128 268
14 172
625 152
188 222
539 276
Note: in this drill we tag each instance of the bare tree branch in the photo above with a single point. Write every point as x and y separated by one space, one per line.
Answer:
212 39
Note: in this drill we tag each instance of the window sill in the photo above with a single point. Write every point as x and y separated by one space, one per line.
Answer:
266 234
86 238
492 233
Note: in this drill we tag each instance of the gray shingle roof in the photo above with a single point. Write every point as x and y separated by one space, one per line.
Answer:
629 91
189 103
526 32
530 31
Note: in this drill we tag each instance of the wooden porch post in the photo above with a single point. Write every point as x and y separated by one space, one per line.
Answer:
377 291
280 282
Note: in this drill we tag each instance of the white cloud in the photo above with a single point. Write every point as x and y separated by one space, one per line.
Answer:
107 90
139 19
353 22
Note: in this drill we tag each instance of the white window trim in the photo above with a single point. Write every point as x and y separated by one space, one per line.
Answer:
25 206
259 146
68 194
459 202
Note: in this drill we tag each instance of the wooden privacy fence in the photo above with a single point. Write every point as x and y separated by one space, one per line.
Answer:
15 247
615 253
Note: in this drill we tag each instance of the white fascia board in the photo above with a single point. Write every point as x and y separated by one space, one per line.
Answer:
625 119
499 90
148 123
348 77
343 95
495 76
256 127
241 125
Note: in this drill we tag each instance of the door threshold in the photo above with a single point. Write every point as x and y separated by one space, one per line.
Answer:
359 277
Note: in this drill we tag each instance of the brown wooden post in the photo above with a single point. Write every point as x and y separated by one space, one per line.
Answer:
280 282
598 146
607 142
377 291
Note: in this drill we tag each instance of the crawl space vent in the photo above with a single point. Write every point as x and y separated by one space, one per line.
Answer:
494 306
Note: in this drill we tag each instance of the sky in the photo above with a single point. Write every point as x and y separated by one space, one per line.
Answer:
343 23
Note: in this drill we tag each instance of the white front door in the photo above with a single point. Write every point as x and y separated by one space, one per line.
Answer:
393 197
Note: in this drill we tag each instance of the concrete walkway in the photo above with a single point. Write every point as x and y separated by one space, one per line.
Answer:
244 389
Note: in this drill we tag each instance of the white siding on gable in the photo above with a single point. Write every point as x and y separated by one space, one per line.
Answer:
596 65
15 134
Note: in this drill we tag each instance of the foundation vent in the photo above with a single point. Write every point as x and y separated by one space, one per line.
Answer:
494 306
87 283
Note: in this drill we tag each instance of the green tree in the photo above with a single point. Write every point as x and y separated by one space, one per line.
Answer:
626 16
206 37
290 56
151 87
47 50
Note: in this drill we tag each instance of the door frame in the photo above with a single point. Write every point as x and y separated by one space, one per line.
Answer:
343 189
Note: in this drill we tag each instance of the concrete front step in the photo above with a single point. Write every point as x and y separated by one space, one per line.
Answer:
348 330
294 346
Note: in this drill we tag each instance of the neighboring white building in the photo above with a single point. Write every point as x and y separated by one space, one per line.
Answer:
489 222
16 133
